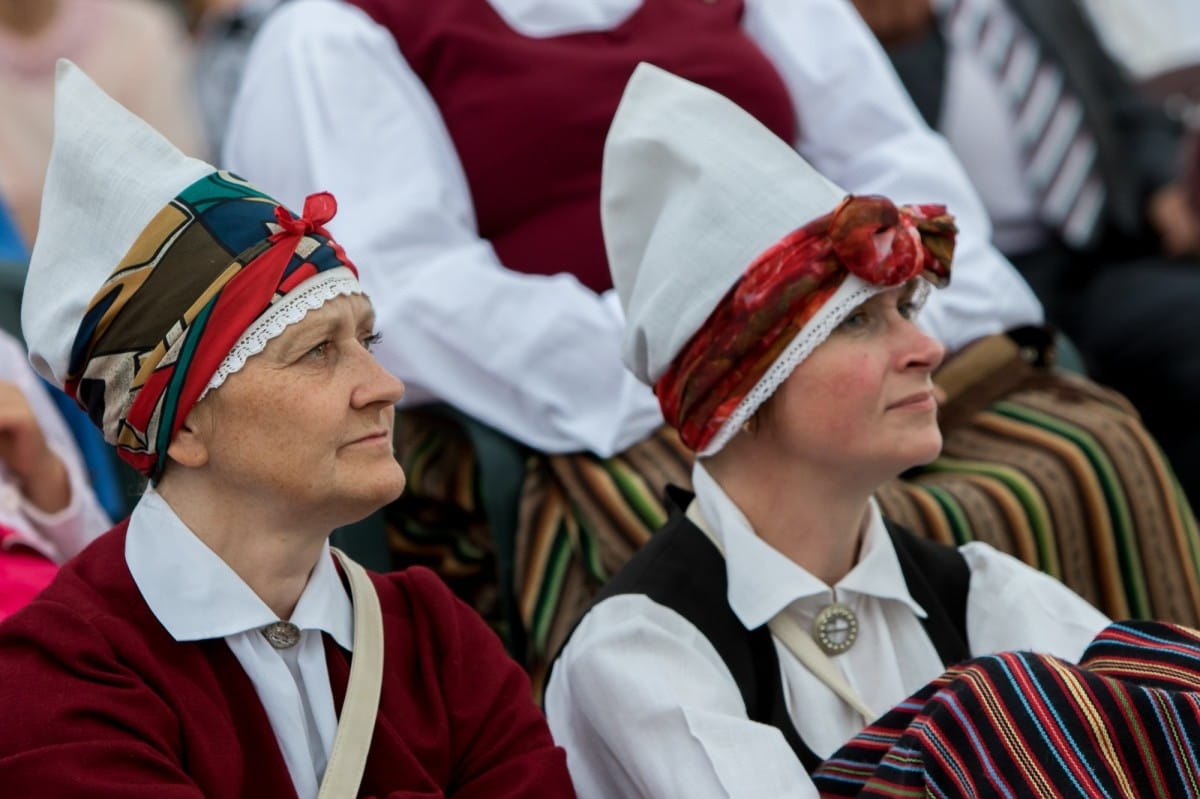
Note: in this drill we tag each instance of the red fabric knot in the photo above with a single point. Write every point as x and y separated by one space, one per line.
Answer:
886 245
319 208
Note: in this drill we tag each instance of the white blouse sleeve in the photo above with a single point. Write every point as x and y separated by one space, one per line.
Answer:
858 126
329 103
62 534
645 707
1012 606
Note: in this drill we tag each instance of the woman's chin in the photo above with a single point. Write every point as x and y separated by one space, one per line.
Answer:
370 496
390 489
925 453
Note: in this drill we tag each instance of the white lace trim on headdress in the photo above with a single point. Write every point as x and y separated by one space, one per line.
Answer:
852 293
290 309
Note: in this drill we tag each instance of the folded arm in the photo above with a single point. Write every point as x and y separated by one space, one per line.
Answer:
329 103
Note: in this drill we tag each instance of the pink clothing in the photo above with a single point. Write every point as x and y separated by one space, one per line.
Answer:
23 574
135 50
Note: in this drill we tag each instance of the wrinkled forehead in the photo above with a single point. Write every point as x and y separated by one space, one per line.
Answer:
348 313
353 310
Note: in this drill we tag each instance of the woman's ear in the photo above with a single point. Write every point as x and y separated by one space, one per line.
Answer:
189 447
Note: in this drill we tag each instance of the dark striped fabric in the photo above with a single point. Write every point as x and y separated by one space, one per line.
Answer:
581 519
1124 722
1059 472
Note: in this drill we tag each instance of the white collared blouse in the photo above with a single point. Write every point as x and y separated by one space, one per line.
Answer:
645 707
197 596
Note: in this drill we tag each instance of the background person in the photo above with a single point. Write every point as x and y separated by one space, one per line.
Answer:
1083 179
48 511
136 49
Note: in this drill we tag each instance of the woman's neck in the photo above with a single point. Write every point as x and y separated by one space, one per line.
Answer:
273 557
813 521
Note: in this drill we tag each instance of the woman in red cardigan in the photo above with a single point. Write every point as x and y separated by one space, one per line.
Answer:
209 647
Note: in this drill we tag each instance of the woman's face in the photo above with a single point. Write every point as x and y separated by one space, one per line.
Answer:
307 423
863 400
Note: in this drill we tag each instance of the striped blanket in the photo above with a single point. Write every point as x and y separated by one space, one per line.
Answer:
1125 722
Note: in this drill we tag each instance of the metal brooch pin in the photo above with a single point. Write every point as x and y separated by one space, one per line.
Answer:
835 628
281 634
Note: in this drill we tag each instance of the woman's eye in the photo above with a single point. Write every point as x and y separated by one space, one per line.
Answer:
370 341
854 321
319 351
908 309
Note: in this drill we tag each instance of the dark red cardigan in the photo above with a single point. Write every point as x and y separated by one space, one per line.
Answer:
97 700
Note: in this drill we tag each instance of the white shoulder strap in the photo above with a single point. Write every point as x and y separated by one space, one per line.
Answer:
798 642
343 774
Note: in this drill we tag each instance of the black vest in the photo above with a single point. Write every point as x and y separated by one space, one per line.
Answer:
681 569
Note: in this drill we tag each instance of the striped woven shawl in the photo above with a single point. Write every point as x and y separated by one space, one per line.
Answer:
1124 722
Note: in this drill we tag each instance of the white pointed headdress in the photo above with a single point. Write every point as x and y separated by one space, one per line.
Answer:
154 275
695 194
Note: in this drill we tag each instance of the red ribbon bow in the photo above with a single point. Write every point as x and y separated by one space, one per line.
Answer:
319 208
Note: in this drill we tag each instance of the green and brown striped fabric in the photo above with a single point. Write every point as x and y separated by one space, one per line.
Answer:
1064 476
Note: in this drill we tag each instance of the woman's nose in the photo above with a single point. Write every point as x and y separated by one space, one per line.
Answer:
379 385
921 350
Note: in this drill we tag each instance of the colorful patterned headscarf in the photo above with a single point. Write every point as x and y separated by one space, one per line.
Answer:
219 271
742 352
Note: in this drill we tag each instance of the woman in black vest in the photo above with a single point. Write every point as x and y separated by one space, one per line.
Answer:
776 613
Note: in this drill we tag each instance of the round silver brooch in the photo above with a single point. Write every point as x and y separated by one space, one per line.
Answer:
835 628
281 634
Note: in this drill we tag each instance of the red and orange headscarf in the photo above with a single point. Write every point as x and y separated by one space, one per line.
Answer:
785 297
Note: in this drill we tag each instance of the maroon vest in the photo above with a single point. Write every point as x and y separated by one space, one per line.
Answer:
528 116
